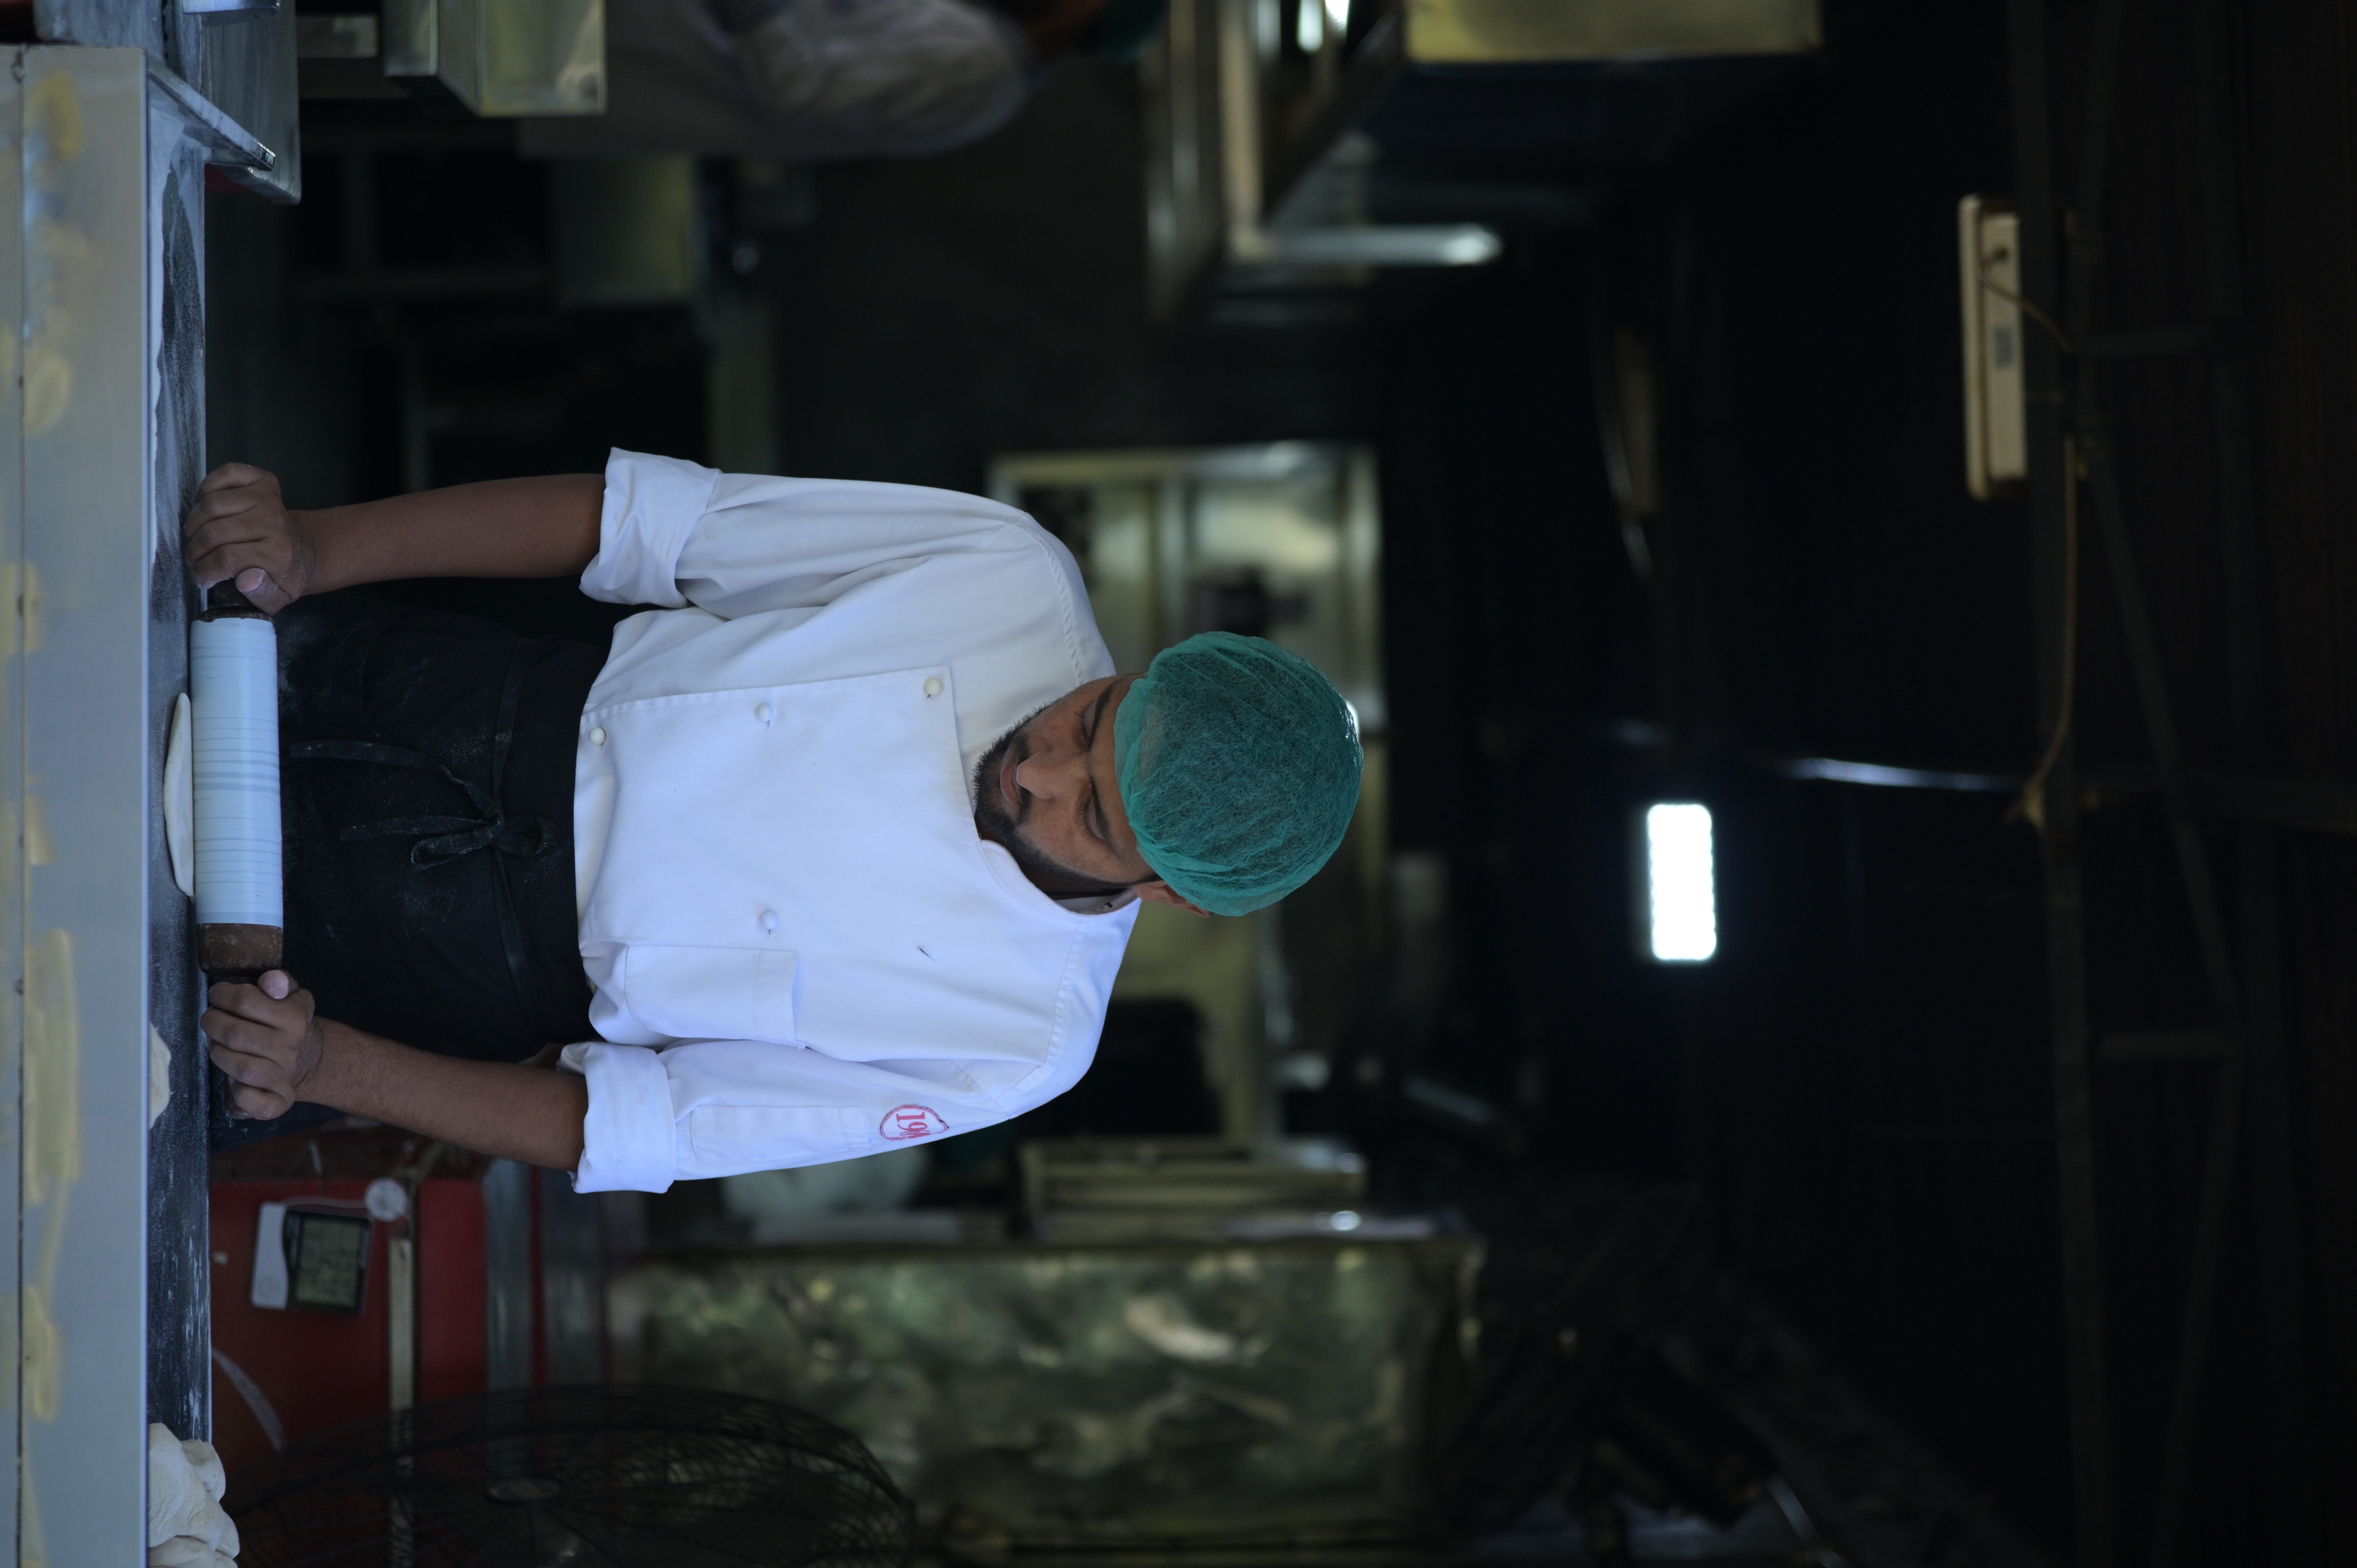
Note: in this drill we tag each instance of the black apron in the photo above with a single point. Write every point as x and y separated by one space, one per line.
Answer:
426 788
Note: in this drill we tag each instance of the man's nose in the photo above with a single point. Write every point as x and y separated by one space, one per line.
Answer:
1044 774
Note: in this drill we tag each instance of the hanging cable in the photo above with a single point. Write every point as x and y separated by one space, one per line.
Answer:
2031 803
2036 313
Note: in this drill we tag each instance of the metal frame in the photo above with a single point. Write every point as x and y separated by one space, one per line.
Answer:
507 1280
2068 430
2053 579
1248 184
13 1421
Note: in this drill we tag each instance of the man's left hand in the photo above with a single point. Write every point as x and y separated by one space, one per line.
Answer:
267 1039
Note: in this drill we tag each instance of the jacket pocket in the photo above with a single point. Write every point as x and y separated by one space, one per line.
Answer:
729 1140
710 994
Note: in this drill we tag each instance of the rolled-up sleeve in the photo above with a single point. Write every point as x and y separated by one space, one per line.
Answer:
625 1140
716 1108
652 505
673 534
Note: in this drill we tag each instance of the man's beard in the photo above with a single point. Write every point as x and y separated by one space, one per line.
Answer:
995 823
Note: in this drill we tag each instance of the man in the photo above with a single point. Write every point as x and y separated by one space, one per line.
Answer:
837 849
808 81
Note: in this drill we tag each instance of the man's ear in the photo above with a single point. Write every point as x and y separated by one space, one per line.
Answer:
1160 892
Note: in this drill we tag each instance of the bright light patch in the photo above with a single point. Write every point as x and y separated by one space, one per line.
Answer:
1338 17
1310 26
1470 246
1682 896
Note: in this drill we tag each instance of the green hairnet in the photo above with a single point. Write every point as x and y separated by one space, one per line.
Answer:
1239 765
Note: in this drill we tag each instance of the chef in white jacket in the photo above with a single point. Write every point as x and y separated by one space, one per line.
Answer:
835 849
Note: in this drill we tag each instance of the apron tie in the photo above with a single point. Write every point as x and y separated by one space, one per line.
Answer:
440 840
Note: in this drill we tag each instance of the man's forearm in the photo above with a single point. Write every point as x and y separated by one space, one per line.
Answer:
517 1112
502 527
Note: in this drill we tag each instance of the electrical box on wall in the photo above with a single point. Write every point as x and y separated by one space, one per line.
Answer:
1997 426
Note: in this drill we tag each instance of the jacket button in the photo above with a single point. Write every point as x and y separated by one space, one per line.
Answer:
768 920
765 713
932 686
598 737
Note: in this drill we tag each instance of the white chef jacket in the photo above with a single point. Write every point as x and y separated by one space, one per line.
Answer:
799 947
822 80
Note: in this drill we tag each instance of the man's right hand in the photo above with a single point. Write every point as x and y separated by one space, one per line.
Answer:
267 1037
276 1050
240 529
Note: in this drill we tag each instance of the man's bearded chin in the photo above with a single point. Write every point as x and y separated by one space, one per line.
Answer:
992 820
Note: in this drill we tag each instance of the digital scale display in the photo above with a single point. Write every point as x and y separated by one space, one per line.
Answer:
327 1259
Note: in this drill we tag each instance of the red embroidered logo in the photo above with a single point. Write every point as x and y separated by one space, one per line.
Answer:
903 1122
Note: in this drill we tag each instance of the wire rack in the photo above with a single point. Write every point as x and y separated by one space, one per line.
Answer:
581 1478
